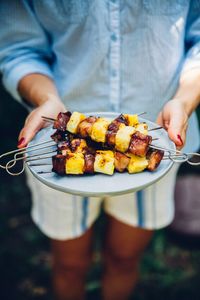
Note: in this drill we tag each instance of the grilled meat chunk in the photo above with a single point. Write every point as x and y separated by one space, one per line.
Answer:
62 120
89 162
59 162
139 144
63 147
122 120
111 133
121 161
58 135
154 158
113 128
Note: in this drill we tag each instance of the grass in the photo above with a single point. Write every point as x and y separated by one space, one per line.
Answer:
169 270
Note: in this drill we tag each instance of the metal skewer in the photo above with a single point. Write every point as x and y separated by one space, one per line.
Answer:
40 164
141 113
20 154
177 156
27 159
156 128
51 120
174 155
24 150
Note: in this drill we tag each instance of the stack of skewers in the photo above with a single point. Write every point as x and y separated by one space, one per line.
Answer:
87 145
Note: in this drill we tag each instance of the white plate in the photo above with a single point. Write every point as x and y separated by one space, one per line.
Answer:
100 184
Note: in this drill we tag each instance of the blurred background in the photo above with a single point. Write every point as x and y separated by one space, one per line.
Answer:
170 268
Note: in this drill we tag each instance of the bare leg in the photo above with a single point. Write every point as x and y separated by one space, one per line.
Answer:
71 260
123 247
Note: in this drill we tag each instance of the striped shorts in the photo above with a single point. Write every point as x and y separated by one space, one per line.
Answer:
63 216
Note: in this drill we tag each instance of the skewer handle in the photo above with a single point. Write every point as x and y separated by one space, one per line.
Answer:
179 157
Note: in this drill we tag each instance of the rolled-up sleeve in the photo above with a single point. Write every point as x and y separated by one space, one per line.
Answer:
192 37
24 45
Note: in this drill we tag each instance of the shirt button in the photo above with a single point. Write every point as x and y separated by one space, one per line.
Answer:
113 37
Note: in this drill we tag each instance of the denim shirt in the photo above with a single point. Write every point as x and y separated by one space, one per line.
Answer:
104 55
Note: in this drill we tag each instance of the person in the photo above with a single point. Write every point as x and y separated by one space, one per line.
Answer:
103 55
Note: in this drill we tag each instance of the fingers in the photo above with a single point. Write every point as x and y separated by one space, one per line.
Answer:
177 129
174 119
34 121
31 127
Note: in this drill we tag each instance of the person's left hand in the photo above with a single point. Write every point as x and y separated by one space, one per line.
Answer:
174 119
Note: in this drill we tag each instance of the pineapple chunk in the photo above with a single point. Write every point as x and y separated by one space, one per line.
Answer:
132 119
137 164
75 163
142 127
99 129
104 162
75 119
123 138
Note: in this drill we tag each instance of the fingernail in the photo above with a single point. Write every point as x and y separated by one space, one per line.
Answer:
179 138
21 141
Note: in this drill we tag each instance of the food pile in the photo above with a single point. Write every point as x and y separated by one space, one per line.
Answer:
87 145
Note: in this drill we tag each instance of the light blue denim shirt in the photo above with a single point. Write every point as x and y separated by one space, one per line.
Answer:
104 55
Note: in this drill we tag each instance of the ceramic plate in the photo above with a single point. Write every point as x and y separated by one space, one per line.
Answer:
99 184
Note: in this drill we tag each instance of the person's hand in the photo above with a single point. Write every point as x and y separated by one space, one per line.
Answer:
34 121
174 119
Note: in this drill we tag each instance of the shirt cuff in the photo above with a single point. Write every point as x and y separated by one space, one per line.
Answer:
192 60
12 77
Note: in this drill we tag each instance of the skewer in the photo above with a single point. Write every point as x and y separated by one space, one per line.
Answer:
164 149
178 156
24 150
172 155
44 172
36 147
141 113
51 120
39 156
40 164
7 167
21 153
156 128
12 162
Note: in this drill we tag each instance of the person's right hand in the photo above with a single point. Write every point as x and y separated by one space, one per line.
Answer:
34 121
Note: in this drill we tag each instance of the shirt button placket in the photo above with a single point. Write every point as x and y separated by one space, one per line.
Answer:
114 14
